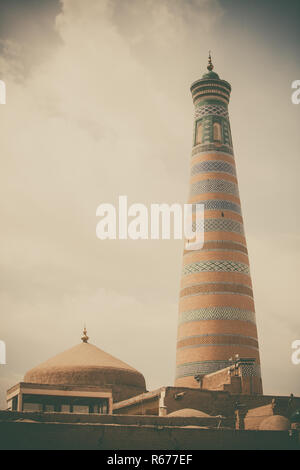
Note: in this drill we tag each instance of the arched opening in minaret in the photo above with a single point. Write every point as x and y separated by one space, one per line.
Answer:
199 133
217 132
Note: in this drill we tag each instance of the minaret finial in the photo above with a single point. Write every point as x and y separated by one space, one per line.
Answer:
85 337
210 65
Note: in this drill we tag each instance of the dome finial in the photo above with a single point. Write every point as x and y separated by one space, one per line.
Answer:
85 337
210 65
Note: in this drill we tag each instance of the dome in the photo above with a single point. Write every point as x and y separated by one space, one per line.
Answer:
211 76
275 423
188 413
85 364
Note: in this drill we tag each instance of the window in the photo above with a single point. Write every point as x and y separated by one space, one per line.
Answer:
49 408
65 408
199 133
12 404
65 404
81 409
32 407
217 133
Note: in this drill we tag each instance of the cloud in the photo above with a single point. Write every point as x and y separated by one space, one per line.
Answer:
89 123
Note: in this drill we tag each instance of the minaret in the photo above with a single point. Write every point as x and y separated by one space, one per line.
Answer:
216 307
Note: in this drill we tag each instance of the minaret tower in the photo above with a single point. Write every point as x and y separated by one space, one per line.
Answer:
216 307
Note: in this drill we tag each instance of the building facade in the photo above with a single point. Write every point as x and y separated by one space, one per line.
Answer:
216 306
81 380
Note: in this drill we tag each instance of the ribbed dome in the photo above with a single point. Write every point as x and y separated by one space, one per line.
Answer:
85 364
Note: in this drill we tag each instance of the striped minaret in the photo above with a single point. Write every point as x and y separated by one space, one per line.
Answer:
216 307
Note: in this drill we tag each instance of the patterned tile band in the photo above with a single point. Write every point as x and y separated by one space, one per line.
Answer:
215 345
216 288
217 340
207 367
208 81
217 313
218 225
217 166
212 148
220 245
250 370
215 266
214 186
204 110
205 90
219 204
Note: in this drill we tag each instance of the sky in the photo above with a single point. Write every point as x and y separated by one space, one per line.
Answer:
98 105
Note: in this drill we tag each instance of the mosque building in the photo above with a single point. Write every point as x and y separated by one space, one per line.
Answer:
83 379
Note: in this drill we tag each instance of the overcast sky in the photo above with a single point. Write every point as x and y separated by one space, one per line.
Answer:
98 105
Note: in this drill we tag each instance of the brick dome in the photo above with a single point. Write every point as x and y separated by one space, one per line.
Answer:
189 413
275 423
86 364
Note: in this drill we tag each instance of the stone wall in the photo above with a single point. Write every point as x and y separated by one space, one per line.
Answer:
21 431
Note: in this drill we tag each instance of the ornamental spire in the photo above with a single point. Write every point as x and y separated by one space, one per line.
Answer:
85 337
210 65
